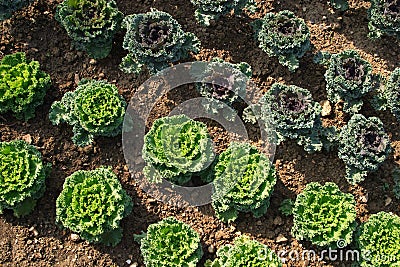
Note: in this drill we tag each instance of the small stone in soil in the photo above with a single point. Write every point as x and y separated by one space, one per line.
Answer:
281 238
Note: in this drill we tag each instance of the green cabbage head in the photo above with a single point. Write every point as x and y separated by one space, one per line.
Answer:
170 243
95 108
92 204
244 181
22 85
176 148
22 177
91 24
245 252
378 240
324 215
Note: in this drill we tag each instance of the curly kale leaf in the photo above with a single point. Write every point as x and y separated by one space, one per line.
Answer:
92 204
341 5
22 85
170 243
8 7
91 24
363 146
22 177
207 10
245 252
176 148
155 39
384 18
244 181
283 35
348 78
389 97
224 85
379 239
324 215
94 109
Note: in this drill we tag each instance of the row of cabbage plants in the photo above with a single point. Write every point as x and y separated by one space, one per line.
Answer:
92 204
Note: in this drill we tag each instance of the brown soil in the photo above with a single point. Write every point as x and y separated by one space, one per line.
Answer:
36 241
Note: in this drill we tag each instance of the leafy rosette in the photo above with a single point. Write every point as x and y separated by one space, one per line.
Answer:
207 10
378 239
22 177
324 215
22 85
245 252
91 24
170 243
224 85
95 108
175 149
294 115
8 7
244 181
341 5
92 204
384 18
155 39
283 35
389 97
348 78
363 146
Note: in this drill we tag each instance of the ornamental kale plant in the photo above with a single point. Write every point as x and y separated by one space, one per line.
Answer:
245 252
207 10
176 148
363 146
324 215
388 97
91 24
8 7
244 182
170 243
22 85
379 238
225 85
92 204
341 5
348 78
94 109
384 18
294 115
22 177
155 39
283 35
